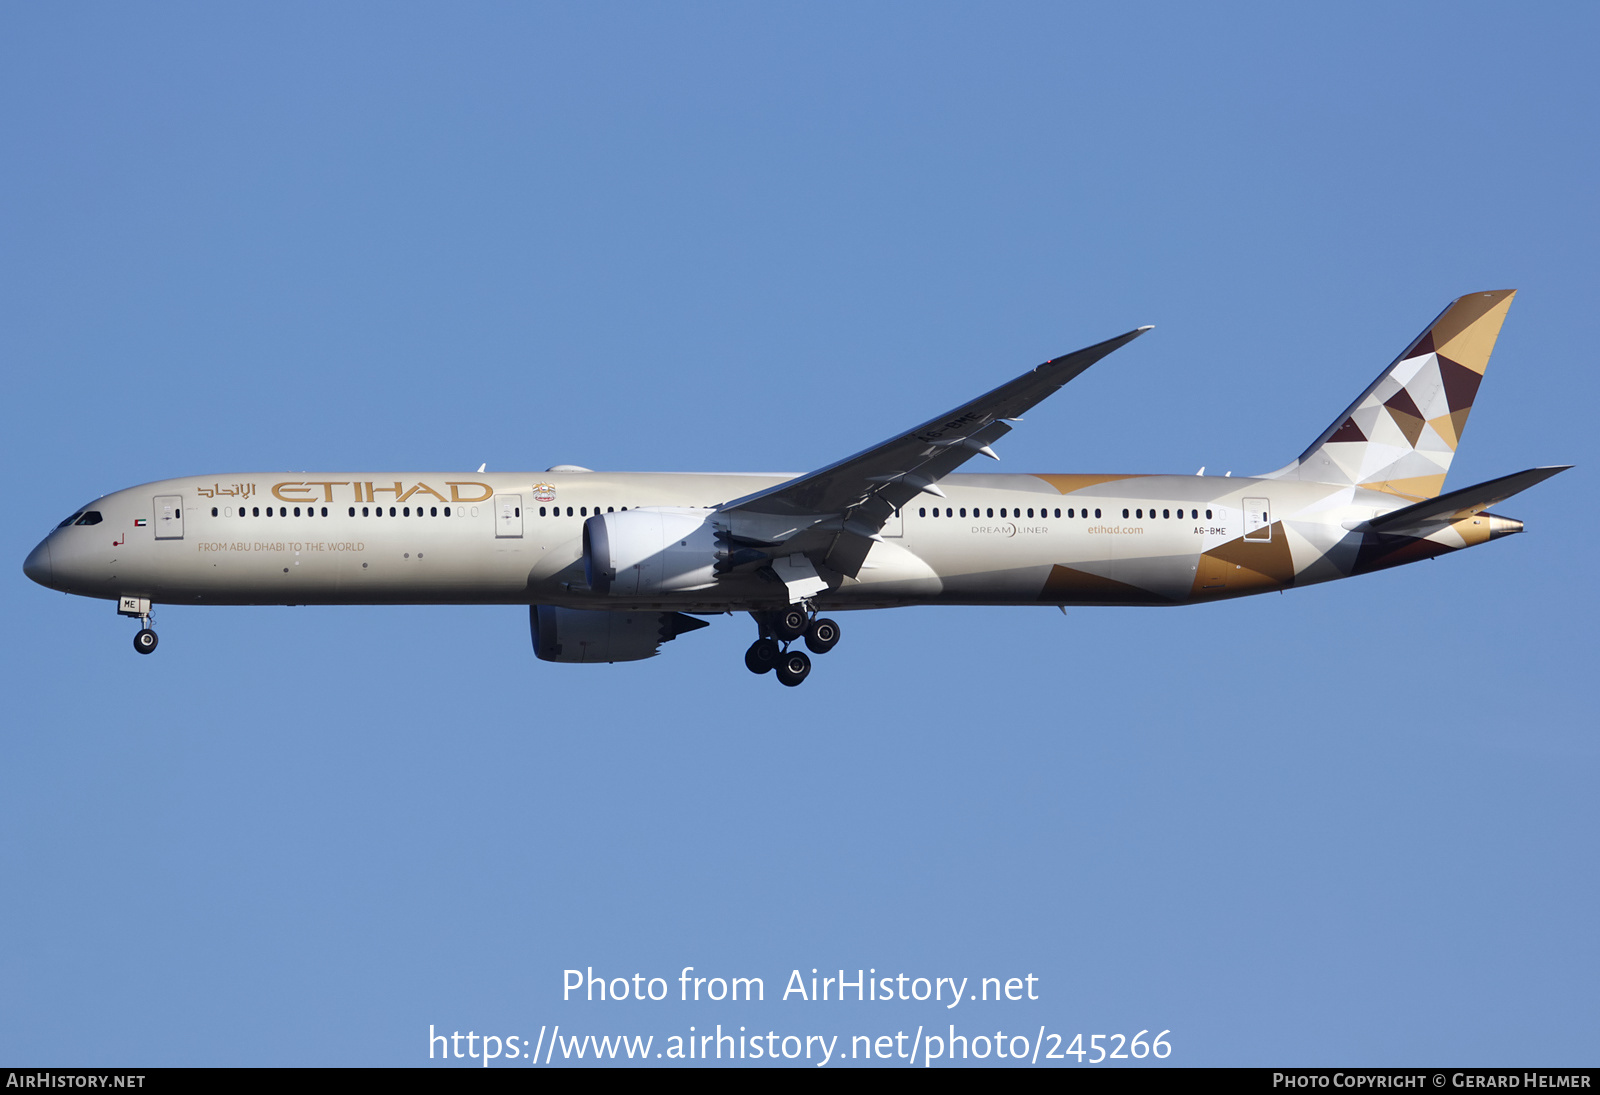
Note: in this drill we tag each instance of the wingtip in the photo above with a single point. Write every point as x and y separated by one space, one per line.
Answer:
1146 327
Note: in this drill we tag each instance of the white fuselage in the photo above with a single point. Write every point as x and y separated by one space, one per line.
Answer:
517 538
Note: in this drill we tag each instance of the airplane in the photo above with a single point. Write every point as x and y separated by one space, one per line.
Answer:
614 565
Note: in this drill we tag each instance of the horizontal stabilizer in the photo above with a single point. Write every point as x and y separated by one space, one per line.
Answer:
1464 502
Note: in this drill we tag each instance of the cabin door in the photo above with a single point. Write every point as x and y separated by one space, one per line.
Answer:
507 516
169 517
1257 519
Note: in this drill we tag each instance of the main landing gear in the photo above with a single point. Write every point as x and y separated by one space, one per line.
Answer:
779 629
139 607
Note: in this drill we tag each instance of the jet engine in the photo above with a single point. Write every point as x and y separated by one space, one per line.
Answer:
595 635
644 552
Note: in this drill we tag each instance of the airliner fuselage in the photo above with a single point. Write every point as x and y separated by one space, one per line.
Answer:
449 538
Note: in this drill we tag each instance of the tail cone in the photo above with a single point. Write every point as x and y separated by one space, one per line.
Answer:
1502 526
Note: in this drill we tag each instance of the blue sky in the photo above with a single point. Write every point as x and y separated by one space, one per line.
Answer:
1351 824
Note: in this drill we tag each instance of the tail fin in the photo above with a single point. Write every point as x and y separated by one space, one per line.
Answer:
1400 435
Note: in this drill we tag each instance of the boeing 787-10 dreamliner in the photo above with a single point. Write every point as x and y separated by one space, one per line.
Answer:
612 565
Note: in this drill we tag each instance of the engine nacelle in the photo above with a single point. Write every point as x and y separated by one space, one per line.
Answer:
594 635
643 552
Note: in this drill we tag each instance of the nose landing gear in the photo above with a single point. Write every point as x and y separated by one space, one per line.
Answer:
139 607
779 629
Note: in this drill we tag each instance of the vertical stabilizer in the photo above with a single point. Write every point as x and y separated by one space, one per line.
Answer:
1401 434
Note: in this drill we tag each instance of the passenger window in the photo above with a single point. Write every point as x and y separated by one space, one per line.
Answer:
1208 515
1058 511
391 511
213 511
518 509
1168 513
541 511
406 512
963 511
991 512
297 511
1124 515
256 511
1030 511
922 511
569 511
447 511
1096 512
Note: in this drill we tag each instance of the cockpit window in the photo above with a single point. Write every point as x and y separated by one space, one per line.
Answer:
90 517
71 519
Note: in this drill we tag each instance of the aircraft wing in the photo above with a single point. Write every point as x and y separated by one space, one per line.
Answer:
834 513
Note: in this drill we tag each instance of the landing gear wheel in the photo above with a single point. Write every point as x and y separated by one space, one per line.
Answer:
763 655
793 668
822 636
789 624
145 641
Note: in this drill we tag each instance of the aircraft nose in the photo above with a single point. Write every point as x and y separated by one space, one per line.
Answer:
37 564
